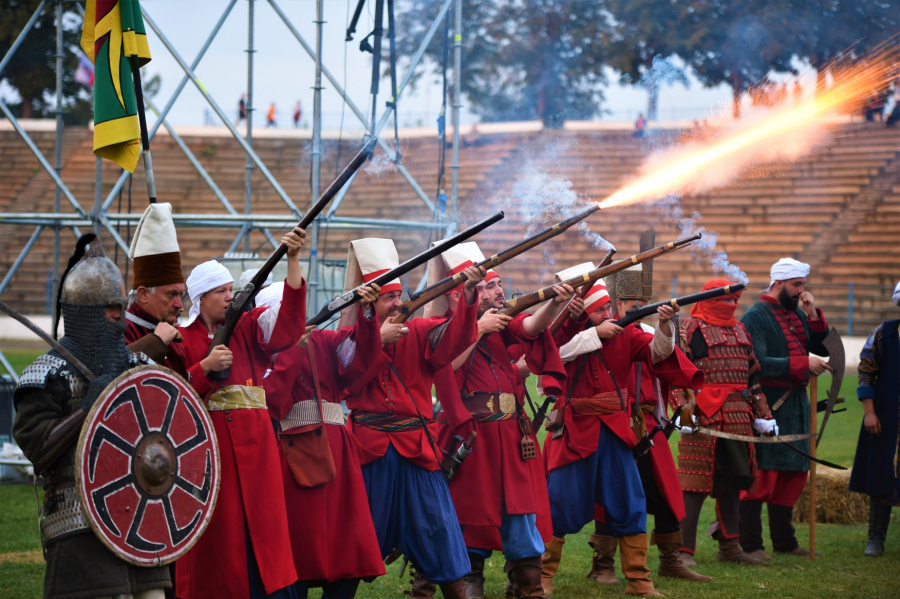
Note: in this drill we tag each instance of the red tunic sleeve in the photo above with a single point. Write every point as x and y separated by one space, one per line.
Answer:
541 355
460 332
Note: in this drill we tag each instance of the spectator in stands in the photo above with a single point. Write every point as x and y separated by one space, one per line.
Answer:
242 109
874 472
298 112
270 116
639 126
473 137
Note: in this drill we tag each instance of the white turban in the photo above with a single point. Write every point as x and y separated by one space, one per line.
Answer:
270 295
205 277
896 296
250 273
788 268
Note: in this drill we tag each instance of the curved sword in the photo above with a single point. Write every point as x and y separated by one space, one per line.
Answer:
838 362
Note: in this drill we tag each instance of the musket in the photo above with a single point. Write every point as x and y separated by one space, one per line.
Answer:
458 452
523 302
67 430
420 298
349 298
243 298
541 413
563 314
686 300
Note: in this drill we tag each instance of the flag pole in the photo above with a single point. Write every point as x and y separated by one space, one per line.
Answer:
145 138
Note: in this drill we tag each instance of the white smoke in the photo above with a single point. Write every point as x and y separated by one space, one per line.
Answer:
379 165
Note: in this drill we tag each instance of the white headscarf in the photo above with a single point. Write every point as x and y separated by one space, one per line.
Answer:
205 277
270 295
250 273
896 296
788 268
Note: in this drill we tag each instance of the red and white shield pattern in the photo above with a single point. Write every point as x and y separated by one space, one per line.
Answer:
147 466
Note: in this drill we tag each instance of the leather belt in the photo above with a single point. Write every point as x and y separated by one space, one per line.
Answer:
490 403
306 412
237 397
647 408
64 515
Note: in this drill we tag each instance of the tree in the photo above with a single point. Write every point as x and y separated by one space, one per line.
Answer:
640 37
32 71
540 59
841 29
738 43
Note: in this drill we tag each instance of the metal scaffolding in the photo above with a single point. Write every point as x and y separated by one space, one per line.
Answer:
100 219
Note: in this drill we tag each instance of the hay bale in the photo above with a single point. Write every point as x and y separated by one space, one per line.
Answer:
835 504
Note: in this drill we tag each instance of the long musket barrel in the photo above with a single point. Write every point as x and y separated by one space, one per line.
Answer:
351 297
561 317
518 304
639 313
243 297
420 298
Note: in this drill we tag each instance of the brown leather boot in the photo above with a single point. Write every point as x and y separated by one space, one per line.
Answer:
603 563
421 588
730 551
475 578
633 551
455 589
550 563
670 564
527 576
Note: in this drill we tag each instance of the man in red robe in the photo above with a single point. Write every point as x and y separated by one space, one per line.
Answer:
329 522
502 486
392 419
245 551
590 458
659 477
154 303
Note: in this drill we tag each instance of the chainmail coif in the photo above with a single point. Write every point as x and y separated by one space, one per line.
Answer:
96 341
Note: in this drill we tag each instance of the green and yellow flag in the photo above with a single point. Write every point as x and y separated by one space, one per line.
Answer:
113 33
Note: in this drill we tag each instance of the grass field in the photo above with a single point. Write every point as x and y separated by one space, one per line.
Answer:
841 572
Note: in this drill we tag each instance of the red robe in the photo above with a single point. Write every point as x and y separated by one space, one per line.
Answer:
330 526
251 493
494 477
582 431
417 361
134 332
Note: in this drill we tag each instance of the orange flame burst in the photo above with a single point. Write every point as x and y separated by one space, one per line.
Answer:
783 132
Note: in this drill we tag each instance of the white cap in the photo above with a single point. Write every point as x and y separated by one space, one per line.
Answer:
451 262
154 249
597 297
367 259
248 274
788 268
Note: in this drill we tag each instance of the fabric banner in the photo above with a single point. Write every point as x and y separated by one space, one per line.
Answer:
113 33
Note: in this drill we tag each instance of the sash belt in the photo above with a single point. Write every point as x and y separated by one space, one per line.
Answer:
387 423
602 404
307 412
237 397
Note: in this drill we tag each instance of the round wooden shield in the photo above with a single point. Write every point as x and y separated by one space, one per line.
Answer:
147 466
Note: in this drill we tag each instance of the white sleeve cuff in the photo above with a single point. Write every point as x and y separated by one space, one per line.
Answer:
582 343
662 345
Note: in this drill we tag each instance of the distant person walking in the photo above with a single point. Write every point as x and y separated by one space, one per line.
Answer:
242 109
270 116
298 112
639 126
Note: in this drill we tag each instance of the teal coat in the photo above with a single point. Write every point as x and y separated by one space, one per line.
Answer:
771 349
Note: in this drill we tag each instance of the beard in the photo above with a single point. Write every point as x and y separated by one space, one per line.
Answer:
788 302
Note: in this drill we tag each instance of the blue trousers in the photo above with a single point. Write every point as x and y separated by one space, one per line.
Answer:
412 511
520 538
608 477
257 590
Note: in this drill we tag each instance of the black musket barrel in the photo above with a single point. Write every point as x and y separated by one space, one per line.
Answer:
351 297
243 297
639 313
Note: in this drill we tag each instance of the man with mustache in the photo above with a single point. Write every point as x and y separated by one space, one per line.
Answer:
500 493
154 303
392 419
782 334
590 458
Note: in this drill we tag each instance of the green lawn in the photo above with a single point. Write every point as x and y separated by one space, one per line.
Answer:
841 572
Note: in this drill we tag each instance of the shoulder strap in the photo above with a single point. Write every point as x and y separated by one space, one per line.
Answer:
609 372
469 366
419 412
315 374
